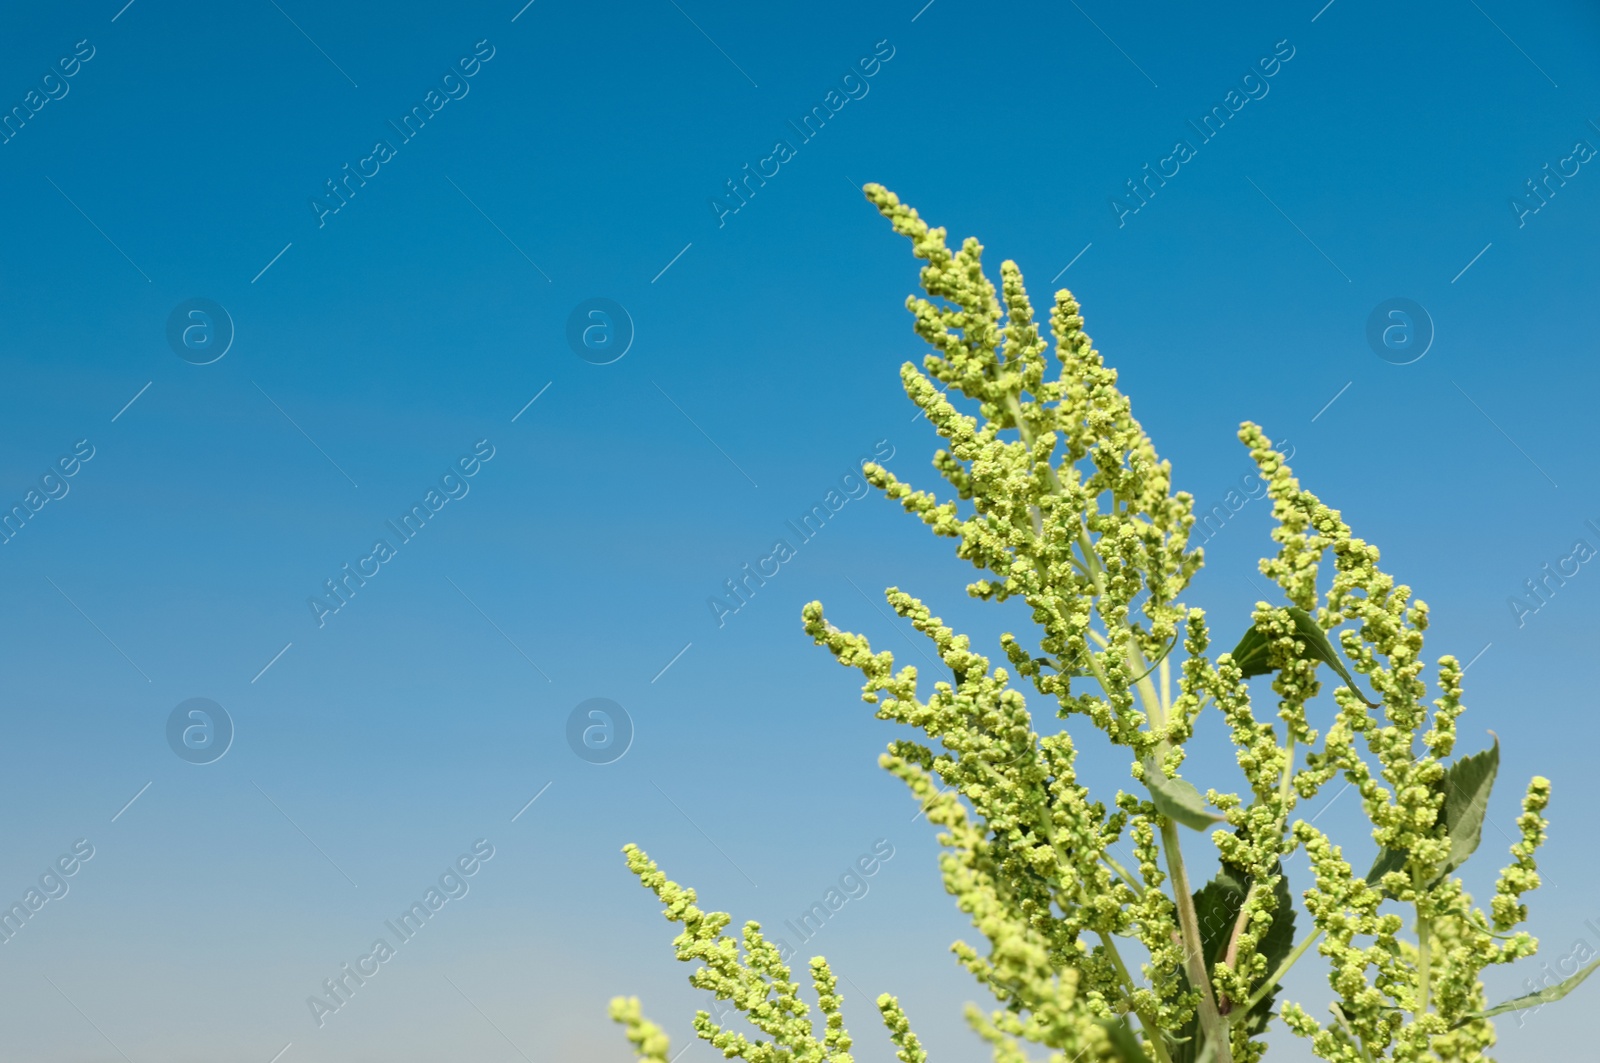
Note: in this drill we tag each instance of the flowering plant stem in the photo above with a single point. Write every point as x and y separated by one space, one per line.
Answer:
1194 955
1155 710
1061 501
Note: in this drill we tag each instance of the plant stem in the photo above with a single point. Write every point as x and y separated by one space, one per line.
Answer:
1151 1031
1122 872
1424 962
1211 1021
1216 1030
1194 960
1166 681
1355 1038
1231 956
1283 968
1045 824
1288 776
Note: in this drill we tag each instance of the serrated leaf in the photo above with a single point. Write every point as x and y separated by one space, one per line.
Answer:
1124 1041
1536 999
1467 784
1217 905
1466 799
1275 945
1253 655
1179 801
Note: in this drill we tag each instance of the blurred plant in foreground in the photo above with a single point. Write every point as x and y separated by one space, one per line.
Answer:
1061 500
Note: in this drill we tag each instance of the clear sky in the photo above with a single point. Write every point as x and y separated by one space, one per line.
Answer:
423 329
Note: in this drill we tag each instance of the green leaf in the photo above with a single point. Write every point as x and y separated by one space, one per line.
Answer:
1466 787
1466 799
1124 1041
1531 1000
1217 905
1388 860
1253 654
1179 801
1275 945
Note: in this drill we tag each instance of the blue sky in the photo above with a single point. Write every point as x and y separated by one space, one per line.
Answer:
578 152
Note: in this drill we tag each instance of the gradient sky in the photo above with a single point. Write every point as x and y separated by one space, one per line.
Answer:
374 350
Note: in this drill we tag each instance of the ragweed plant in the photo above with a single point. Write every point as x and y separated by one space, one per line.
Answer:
1060 499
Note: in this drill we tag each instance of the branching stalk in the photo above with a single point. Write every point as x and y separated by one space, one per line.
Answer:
1283 968
1151 1030
990 351
1211 1020
1424 961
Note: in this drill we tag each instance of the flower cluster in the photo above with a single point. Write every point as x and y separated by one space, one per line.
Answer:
1059 499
